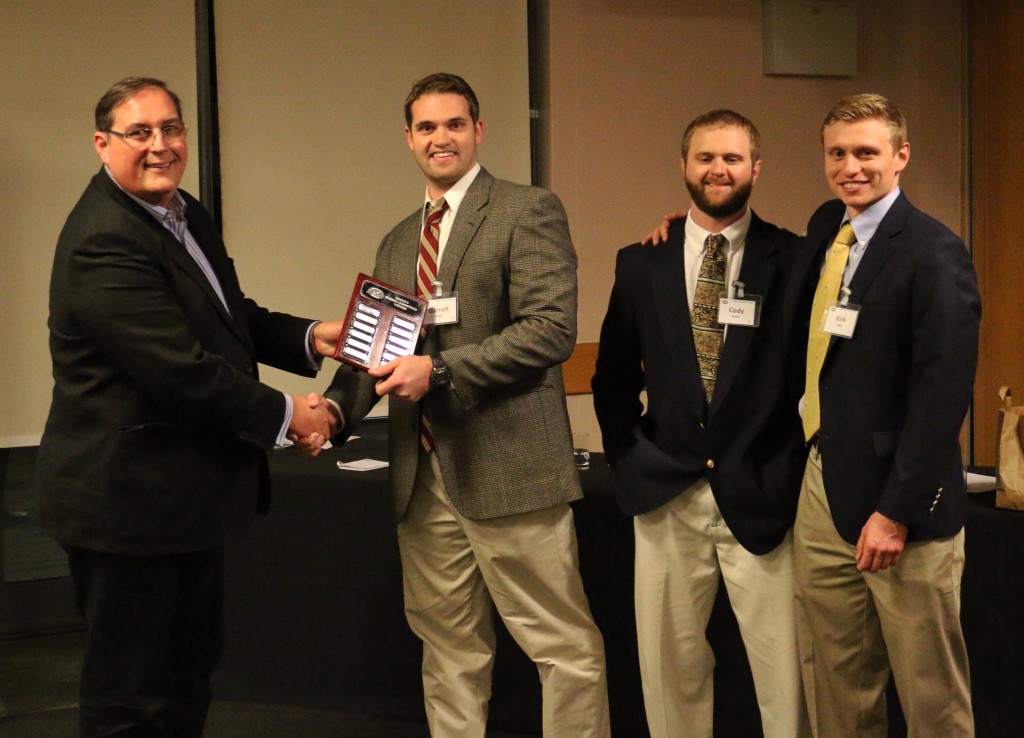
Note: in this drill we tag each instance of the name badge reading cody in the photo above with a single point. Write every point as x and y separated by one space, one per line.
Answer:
742 309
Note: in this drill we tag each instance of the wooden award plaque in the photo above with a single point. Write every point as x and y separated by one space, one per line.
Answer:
382 323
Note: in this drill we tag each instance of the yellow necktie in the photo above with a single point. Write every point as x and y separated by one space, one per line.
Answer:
817 340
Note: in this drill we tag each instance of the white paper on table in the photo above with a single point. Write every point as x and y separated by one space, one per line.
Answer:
362 465
979 482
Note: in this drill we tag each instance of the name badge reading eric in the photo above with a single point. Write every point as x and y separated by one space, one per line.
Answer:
740 311
841 320
442 310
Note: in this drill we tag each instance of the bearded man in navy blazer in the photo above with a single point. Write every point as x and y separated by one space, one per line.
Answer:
712 470
879 530
154 449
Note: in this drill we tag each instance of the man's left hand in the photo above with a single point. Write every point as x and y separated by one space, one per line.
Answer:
326 337
880 544
407 377
660 233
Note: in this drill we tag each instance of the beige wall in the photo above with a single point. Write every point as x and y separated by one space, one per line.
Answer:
315 164
315 168
314 161
627 77
58 59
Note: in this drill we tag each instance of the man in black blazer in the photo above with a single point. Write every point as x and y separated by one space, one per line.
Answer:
154 448
711 470
886 361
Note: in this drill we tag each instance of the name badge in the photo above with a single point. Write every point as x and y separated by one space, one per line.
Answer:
841 320
442 310
743 309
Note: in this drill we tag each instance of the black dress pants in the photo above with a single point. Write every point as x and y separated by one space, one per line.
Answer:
155 635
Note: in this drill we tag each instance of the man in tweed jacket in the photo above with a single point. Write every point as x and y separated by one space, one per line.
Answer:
483 513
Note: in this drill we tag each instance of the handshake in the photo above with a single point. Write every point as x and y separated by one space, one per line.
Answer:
314 422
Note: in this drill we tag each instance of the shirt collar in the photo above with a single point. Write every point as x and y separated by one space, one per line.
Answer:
172 216
457 191
735 233
866 224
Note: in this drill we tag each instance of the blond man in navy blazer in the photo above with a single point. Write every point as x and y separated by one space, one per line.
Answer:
879 530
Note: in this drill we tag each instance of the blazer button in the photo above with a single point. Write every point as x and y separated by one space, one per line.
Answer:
711 464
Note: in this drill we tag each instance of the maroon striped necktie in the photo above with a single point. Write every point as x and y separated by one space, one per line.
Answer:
426 275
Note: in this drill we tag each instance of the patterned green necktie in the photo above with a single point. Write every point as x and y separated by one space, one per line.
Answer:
707 331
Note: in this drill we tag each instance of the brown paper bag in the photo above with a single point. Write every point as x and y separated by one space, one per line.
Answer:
1010 454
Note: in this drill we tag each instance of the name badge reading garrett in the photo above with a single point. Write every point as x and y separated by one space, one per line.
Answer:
443 310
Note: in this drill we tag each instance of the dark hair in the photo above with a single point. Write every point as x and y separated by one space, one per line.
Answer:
438 84
869 105
124 90
724 117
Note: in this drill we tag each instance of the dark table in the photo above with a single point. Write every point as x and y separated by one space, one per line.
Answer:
992 614
314 607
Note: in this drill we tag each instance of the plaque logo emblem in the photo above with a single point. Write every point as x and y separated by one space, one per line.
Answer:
375 292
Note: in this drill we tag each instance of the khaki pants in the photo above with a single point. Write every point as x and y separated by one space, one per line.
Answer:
527 564
854 625
681 548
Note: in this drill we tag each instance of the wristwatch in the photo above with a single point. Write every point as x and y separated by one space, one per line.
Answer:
439 376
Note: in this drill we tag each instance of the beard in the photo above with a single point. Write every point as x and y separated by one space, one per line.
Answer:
731 205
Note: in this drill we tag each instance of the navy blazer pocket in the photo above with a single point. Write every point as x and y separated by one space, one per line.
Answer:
646 477
885 443
644 458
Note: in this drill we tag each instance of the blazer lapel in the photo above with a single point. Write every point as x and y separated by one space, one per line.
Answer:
221 266
880 248
878 251
803 281
756 274
668 287
407 242
178 254
472 212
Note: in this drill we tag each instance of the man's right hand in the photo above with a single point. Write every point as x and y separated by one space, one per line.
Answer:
660 234
313 423
880 544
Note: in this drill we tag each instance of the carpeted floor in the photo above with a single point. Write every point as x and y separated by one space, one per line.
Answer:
241 720
236 720
39 681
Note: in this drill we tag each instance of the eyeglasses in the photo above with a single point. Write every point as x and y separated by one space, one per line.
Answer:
171 132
